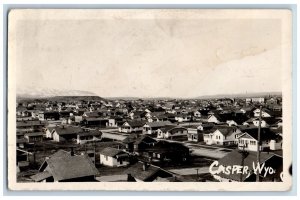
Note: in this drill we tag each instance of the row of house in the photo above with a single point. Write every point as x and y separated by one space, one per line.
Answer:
150 133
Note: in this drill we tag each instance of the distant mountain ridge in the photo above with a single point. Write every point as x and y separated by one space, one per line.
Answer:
44 93
38 93
258 94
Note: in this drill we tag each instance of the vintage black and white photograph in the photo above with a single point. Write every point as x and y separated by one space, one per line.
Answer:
112 97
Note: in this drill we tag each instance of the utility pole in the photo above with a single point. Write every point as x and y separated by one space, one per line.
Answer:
258 143
197 174
244 154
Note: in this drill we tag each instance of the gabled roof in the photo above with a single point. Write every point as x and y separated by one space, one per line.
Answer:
163 146
239 119
111 152
149 174
271 120
267 111
34 134
130 139
92 114
224 129
220 117
134 124
170 127
63 166
158 124
192 126
90 133
251 120
66 130
145 139
265 133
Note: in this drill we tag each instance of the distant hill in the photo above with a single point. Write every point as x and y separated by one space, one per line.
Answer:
138 98
75 98
56 95
42 93
259 94
61 99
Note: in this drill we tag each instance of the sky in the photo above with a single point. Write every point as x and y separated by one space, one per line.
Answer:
150 57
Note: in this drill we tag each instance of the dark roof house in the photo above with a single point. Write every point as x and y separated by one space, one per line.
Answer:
146 172
65 167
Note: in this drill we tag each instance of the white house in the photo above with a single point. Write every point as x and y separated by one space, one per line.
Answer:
132 126
269 140
231 123
63 133
113 157
255 122
171 131
194 133
112 122
88 136
264 112
255 100
245 110
183 118
216 118
221 135
152 127
34 137
197 114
